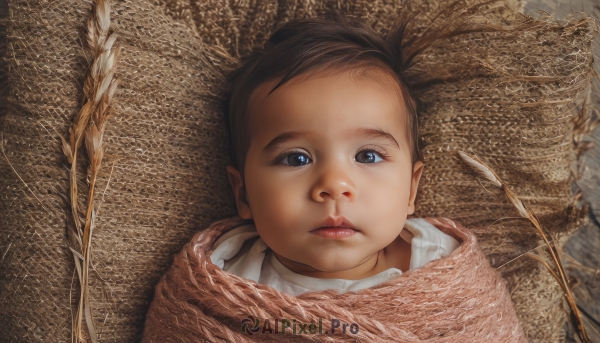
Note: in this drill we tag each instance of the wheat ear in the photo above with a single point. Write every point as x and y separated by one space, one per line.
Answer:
89 124
559 274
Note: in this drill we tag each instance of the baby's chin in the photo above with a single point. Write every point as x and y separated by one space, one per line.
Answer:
338 267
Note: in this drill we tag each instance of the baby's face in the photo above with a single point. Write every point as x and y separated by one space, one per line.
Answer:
328 146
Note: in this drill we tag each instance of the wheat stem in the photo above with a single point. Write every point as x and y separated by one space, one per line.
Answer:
88 125
485 171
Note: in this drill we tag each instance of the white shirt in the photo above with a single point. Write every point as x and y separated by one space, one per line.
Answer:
258 263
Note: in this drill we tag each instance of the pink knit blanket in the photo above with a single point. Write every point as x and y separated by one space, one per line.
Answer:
458 298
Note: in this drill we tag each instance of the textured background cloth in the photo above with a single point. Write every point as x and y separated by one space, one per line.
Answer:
166 153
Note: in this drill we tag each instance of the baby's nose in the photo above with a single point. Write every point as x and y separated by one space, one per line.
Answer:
334 184
334 195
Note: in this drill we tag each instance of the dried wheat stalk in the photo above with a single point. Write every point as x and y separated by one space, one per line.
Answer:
89 124
559 274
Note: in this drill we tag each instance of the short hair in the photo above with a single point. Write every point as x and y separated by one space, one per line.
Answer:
305 45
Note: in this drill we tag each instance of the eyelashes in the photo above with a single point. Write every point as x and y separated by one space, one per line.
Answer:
284 156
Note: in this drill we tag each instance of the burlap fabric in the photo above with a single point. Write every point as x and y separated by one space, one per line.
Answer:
163 176
457 298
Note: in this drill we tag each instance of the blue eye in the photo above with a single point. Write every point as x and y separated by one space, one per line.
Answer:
296 159
299 159
370 156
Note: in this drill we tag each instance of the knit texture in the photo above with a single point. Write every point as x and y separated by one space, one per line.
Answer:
456 298
512 98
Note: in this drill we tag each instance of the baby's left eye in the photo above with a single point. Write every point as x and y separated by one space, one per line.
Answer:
370 156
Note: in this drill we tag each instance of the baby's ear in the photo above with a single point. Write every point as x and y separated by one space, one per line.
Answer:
239 191
414 185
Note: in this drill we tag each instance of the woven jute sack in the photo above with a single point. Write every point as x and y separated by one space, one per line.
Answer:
512 98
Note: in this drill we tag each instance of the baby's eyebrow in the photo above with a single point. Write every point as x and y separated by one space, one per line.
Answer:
364 132
377 134
284 137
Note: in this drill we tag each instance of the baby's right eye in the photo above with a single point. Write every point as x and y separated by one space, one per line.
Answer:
295 159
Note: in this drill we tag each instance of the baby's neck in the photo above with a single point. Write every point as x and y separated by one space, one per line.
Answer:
395 255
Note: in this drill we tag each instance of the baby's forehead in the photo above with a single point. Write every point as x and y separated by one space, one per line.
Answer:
329 105
378 79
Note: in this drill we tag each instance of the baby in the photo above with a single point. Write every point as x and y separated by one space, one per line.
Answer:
326 162
325 171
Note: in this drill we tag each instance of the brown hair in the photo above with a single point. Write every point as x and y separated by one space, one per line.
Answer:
304 45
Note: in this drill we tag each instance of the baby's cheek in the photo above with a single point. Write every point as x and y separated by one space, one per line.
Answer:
277 203
385 194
